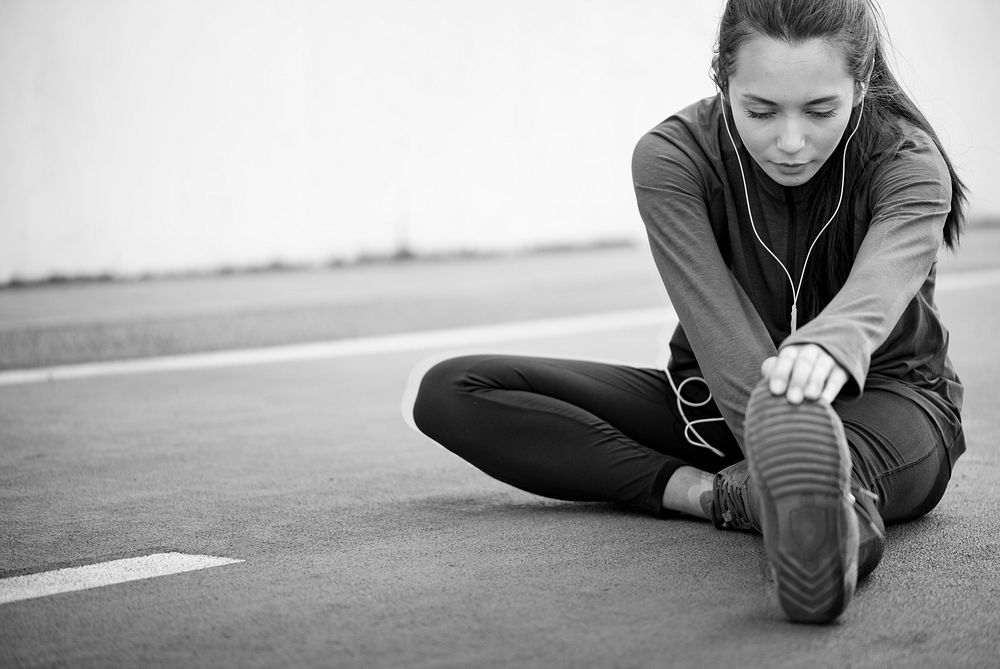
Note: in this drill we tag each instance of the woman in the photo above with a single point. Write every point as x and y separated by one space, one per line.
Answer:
795 219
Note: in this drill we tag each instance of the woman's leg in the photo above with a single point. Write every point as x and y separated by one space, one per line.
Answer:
813 467
899 451
800 466
566 429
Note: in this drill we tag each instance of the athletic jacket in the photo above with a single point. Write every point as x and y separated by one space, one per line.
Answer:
733 300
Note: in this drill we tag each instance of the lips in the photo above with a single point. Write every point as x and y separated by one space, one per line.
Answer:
790 168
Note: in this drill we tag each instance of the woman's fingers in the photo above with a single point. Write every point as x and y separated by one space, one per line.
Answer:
781 373
802 371
834 384
819 377
767 366
805 372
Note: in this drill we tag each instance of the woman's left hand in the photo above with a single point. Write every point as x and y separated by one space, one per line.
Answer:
804 372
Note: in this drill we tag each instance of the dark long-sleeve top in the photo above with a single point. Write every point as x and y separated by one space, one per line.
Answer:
733 300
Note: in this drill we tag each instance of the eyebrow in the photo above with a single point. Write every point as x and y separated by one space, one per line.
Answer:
818 101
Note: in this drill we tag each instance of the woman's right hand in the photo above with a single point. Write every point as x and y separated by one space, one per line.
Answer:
804 372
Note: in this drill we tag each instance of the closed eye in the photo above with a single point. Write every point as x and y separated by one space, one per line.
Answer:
815 114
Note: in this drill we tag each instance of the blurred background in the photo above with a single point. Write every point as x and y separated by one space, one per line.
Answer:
142 137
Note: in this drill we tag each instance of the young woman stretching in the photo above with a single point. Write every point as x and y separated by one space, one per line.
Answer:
795 219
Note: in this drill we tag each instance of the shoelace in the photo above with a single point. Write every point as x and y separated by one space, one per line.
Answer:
732 504
733 501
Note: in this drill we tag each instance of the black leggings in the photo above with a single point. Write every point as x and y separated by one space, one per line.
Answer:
590 431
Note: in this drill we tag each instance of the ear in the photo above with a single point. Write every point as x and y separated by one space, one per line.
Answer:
860 90
861 85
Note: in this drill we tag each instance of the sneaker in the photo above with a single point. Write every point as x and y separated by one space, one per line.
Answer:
800 469
872 530
734 505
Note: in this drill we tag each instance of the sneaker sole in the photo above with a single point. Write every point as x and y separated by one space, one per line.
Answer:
800 466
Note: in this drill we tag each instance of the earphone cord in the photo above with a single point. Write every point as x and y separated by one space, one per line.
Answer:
796 289
689 430
690 433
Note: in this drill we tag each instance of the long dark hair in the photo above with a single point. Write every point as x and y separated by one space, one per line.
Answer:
857 27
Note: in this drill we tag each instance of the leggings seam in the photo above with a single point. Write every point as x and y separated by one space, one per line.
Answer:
908 465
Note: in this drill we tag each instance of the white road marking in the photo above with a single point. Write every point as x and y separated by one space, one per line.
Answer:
408 341
971 279
71 579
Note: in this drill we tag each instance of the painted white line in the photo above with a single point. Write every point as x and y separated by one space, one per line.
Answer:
408 341
964 280
71 579
453 337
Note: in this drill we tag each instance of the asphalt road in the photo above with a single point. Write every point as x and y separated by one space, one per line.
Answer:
366 545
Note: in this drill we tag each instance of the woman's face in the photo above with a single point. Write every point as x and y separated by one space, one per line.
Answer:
791 104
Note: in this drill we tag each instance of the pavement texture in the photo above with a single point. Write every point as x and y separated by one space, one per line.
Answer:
367 545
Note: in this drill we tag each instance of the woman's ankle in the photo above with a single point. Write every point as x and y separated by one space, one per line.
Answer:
689 491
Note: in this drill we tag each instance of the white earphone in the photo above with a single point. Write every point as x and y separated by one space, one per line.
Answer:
796 289
690 433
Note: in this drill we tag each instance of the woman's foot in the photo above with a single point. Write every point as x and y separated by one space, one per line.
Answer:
800 470
735 507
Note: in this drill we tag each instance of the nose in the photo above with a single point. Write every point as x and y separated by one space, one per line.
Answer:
792 137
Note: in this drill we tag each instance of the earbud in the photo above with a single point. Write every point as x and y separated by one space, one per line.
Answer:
691 434
864 82
796 289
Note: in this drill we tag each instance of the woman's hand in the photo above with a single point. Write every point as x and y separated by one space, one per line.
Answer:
804 372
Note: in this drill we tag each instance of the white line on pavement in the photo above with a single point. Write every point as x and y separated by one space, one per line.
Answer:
407 341
970 279
71 579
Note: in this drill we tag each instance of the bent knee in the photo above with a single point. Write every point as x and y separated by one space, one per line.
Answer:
437 391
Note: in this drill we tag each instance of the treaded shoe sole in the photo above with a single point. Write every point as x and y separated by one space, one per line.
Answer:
800 466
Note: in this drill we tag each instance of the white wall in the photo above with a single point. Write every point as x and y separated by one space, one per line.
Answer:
149 136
